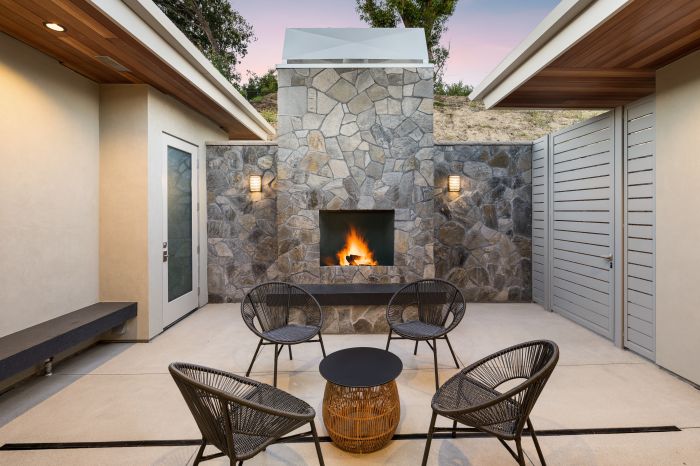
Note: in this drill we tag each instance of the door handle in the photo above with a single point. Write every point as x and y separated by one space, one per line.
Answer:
609 258
165 256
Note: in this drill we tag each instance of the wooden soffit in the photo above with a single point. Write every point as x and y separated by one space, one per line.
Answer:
616 63
90 36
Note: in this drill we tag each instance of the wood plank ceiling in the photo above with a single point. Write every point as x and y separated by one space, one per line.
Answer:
615 64
89 35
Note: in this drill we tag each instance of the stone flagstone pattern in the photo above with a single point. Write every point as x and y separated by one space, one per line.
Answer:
241 226
483 233
359 139
354 138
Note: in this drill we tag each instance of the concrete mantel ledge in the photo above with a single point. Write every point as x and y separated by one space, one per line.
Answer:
240 143
482 143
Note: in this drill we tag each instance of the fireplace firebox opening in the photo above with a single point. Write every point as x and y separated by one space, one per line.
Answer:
356 237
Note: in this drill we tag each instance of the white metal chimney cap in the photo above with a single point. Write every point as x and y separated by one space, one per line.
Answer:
340 47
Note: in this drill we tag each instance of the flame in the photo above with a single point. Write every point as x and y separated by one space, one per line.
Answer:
356 251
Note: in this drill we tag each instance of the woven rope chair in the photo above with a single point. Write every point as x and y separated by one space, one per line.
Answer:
426 310
271 305
240 416
471 397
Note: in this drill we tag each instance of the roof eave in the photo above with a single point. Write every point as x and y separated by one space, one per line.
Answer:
568 23
157 33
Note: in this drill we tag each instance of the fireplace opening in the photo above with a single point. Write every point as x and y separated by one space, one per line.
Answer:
357 237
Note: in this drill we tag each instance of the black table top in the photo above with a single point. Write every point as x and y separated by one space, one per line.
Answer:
361 367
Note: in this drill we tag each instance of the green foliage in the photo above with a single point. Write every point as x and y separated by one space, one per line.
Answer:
259 86
431 15
270 114
218 31
458 88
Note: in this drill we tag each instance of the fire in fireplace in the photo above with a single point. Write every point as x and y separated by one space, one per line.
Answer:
356 251
356 237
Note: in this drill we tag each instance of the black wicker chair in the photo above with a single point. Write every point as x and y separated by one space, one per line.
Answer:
240 416
272 304
426 310
471 397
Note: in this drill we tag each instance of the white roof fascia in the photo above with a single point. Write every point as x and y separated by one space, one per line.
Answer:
567 24
154 30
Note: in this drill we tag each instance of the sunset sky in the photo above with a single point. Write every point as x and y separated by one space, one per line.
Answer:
480 33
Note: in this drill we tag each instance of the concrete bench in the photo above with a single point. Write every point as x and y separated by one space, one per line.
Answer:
37 344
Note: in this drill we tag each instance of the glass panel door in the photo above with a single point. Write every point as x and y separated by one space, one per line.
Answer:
179 223
180 226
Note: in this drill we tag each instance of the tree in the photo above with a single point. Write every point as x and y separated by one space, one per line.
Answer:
258 86
431 15
218 31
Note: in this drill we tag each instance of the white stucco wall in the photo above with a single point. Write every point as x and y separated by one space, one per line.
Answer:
133 121
678 217
123 194
49 169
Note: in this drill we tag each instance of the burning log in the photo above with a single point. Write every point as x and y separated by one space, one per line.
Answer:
356 251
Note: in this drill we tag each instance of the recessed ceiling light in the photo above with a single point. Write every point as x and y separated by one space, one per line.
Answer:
55 27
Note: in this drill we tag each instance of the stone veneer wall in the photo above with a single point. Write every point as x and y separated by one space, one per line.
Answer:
483 233
362 138
354 138
241 226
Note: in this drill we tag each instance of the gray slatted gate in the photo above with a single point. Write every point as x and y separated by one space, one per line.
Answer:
582 238
639 302
540 213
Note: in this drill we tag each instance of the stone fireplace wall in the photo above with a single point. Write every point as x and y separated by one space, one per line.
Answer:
241 226
483 233
355 138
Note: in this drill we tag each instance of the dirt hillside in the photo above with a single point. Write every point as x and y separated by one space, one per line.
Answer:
460 119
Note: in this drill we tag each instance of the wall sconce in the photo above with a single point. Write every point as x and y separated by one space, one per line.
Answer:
255 183
454 183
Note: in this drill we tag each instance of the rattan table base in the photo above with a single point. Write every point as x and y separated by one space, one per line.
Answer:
361 419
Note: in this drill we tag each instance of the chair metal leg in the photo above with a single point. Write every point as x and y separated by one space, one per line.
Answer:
318 444
320 340
449 345
454 429
255 355
430 439
290 351
510 450
415 348
437 383
388 340
200 453
521 456
274 377
537 444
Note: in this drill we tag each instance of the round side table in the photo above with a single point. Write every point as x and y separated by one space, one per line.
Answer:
361 407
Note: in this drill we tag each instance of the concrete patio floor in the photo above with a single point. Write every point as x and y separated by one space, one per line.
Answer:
123 392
